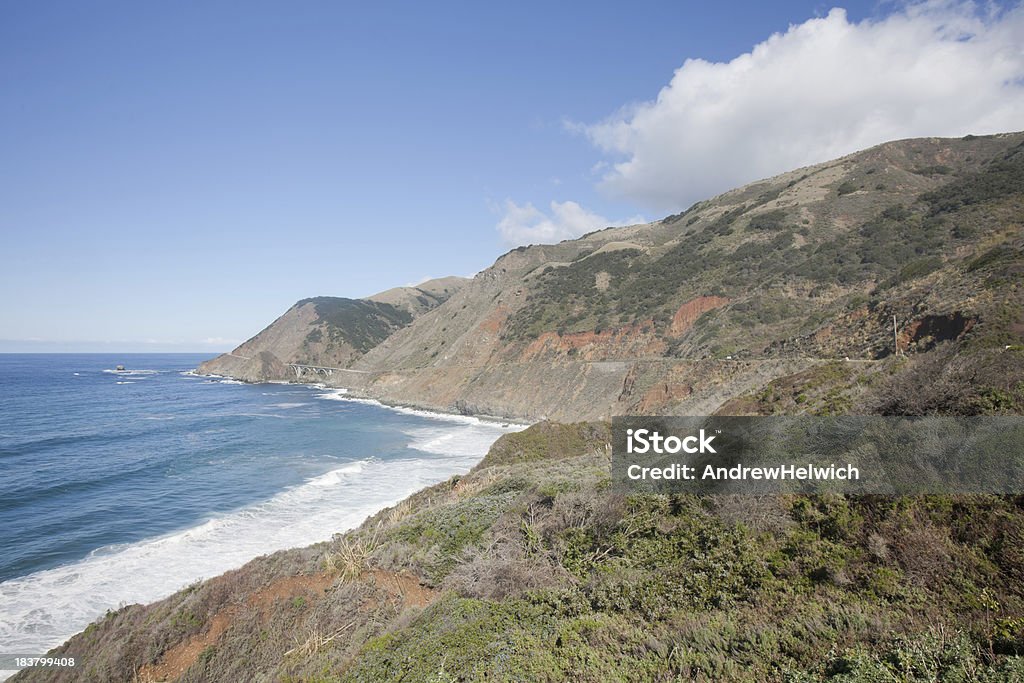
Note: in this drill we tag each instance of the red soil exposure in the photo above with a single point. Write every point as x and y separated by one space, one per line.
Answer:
176 660
688 313
288 587
404 586
630 340
673 388
932 329
661 395
494 321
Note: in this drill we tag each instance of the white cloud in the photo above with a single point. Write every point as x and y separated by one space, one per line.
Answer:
526 224
824 88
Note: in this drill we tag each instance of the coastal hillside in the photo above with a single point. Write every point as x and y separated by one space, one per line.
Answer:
777 298
329 332
533 568
682 315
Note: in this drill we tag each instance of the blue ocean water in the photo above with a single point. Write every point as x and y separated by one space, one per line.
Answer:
124 486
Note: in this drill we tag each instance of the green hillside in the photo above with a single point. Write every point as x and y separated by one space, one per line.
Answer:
788 270
533 567
359 323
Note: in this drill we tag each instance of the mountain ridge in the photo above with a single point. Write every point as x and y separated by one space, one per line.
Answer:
327 331
763 281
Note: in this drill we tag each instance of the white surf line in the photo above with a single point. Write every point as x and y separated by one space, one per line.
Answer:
41 610
340 394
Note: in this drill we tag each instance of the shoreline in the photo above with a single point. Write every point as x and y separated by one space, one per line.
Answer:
357 515
410 409
429 411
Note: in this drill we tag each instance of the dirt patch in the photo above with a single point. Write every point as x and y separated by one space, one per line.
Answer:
925 333
179 658
668 387
636 340
404 586
616 246
183 655
494 321
688 313
824 334
660 395
288 587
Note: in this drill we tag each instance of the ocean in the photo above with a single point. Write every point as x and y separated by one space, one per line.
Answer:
124 486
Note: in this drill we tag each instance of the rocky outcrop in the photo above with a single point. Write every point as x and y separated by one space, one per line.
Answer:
927 331
631 341
691 311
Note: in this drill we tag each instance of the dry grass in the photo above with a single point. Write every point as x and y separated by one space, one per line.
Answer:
142 677
315 641
472 484
351 554
396 514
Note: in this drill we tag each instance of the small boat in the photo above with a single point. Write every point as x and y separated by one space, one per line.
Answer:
119 368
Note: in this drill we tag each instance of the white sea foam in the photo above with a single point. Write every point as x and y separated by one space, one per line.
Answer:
287 405
342 395
131 373
127 382
280 417
464 441
43 609
471 438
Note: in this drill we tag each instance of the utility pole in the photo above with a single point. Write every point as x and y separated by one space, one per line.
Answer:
895 338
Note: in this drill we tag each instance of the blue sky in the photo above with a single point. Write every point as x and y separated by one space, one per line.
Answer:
174 175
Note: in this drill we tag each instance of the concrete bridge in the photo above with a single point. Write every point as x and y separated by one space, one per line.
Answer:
320 370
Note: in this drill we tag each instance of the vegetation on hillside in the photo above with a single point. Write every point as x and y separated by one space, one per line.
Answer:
360 323
785 270
530 569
